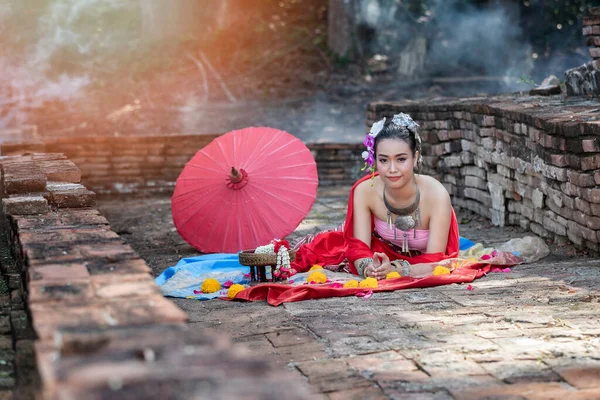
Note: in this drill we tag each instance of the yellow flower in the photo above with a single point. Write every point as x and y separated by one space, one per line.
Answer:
316 266
210 285
368 283
234 289
392 275
317 277
352 283
439 270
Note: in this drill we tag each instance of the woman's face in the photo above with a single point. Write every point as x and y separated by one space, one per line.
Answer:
395 162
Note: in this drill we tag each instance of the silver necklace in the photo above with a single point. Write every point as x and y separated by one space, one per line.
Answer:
404 218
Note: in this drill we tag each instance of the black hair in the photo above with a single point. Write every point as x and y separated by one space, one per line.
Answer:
393 131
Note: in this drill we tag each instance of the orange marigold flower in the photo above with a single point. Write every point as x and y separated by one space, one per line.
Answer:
352 283
234 289
439 270
210 285
317 277
368 283
392 275
316 266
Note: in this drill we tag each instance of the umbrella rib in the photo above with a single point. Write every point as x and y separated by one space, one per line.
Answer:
215 217
195 213
186 195
263 210
277 199
283 146
257 149
291 204
266 159
205 168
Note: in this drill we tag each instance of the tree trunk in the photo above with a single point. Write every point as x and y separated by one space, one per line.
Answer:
340 27
412 57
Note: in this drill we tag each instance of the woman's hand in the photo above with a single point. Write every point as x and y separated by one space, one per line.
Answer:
380 267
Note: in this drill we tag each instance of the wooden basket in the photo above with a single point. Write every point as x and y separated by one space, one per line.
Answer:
249 257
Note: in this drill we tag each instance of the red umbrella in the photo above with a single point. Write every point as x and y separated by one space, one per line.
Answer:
243 190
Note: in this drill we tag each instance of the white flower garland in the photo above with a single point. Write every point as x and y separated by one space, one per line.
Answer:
283 255
283 258
266 249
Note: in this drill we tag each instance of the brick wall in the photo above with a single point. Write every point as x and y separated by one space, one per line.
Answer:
84 309
151 164
515 160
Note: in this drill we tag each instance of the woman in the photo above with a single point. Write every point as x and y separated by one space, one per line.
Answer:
409 213
395 217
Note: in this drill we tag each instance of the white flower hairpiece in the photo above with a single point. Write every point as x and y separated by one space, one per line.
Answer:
406 121
377 128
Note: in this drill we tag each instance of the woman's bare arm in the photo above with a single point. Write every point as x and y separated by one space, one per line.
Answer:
439 222
361 215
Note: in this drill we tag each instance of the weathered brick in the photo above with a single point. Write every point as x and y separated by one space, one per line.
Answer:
589 163
479 195
592 41
560 160
47 318
540 230
586 220
591 20
25 205
60 171
58 273
582 205
564 212
69 292
571 190
26 181
123 267
475 182
66 195
582 231
591 195
474 171
113 285
453 161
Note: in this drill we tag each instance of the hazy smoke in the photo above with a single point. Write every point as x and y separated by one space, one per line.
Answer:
474 41
52 56
462 40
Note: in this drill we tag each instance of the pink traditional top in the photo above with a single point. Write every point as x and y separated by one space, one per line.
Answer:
419 243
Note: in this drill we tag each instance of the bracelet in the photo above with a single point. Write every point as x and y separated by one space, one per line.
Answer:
402 266
360 268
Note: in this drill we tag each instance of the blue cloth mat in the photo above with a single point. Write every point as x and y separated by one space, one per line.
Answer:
465 243
188 274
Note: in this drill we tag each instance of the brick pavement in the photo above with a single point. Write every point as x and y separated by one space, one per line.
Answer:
532 333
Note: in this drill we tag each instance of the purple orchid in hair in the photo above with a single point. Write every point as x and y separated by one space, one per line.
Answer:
369 142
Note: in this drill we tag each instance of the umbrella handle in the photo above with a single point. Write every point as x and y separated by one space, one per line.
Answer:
237 179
